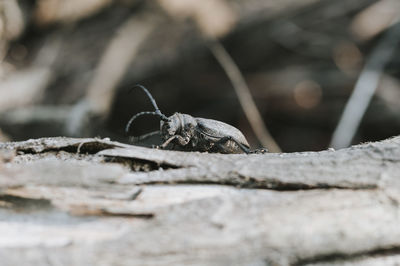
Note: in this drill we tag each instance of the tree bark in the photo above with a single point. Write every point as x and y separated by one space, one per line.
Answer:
67 201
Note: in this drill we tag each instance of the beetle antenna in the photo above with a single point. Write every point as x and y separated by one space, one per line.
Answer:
128 125
153 102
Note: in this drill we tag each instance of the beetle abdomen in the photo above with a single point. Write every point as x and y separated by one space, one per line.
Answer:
217 130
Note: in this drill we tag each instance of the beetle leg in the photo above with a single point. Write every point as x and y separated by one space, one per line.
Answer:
259 151
182 141
225 139
168 141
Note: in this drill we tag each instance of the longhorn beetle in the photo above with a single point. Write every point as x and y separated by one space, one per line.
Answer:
195 134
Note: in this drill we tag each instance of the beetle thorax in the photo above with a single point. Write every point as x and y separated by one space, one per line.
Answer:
178 124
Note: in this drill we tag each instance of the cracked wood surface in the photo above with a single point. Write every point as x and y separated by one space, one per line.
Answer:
70 201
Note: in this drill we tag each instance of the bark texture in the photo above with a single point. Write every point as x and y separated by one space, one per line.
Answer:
67 201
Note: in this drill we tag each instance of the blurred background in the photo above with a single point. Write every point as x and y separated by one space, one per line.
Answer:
68 67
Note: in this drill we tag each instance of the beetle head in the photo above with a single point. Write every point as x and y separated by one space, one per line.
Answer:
179 124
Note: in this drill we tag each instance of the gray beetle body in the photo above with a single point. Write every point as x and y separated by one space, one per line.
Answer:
185 132
204 135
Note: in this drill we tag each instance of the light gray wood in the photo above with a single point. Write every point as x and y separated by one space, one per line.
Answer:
79 202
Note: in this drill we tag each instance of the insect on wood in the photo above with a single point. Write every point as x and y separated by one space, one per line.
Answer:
188 133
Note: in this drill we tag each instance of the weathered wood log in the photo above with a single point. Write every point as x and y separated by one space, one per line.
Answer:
97 202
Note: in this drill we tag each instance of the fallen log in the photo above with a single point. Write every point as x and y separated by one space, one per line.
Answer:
66 201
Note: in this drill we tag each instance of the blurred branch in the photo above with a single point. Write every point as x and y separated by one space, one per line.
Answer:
12 20
382 13
4 137
51 11
36 114
23 87
119 54
51 118
113 64
215 18
365 88
12 24
244 96
26 86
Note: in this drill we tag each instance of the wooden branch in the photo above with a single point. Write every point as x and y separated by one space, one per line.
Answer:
244 96
70 201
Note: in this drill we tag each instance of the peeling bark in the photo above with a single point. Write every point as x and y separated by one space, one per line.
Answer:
67 201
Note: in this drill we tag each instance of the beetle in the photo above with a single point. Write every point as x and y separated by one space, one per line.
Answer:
188 133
